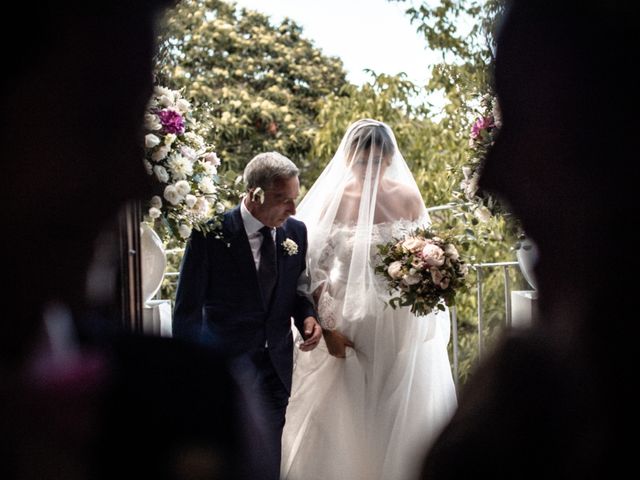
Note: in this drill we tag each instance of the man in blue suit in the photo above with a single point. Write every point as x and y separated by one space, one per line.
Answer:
239 290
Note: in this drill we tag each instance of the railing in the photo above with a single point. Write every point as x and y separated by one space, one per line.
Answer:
480 268
173 251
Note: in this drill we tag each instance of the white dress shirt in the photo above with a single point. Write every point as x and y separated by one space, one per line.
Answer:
252 226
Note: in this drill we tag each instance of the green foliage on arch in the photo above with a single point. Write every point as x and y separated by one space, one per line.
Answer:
259 86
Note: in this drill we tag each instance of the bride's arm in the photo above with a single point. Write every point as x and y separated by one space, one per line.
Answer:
321 292
337 343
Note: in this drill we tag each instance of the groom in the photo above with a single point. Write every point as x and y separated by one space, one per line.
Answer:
239 292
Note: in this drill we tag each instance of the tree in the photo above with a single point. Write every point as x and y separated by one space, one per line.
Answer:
260 85
464 32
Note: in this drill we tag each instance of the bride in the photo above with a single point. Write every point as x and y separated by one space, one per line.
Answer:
369 400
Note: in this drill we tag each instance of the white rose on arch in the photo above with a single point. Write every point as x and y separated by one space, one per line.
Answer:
184 231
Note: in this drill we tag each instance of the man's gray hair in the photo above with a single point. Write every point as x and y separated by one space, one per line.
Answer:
265 168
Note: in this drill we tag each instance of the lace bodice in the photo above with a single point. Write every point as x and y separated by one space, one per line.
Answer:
342 239
336 262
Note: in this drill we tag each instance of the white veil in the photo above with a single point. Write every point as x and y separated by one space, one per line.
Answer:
371 414
368 190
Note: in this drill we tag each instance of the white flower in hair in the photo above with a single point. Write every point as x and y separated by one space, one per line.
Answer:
257 195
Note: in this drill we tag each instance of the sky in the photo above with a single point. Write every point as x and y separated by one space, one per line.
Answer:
373 34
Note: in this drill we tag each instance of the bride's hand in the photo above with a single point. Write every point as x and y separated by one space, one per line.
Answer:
337 343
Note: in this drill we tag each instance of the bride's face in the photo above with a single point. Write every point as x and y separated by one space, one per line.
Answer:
370 156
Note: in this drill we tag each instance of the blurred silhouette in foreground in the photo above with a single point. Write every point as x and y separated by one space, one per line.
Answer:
554 401
77 80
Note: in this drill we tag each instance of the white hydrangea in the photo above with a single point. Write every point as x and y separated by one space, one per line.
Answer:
194 138
161 173
160 91
206 185
167 100
212 158
171 195
154 213
156 202
190 200
161 153
152 122
202 206
208 168
151 140
183 106
179 166
183 187
188 153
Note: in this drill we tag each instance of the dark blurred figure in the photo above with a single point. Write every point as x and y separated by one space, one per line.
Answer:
555 401
77 78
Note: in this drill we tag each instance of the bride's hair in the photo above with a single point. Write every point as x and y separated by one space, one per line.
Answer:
366 134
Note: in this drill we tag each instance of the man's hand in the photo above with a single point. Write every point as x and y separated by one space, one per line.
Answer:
312 334
337 343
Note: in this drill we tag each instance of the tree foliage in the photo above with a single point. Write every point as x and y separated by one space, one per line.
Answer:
464 32
260 86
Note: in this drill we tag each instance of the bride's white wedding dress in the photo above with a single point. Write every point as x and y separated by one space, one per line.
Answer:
373 414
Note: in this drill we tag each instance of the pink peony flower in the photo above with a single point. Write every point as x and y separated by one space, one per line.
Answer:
395 269
433 255
413 244
436 275
172 121
481 124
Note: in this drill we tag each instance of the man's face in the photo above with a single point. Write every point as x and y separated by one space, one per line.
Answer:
279 202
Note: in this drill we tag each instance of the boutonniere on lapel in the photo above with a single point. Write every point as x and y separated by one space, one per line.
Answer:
290 247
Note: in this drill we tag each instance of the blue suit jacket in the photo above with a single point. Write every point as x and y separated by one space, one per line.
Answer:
219 302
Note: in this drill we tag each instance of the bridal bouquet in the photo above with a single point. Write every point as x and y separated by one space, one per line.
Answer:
422 271
184 169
